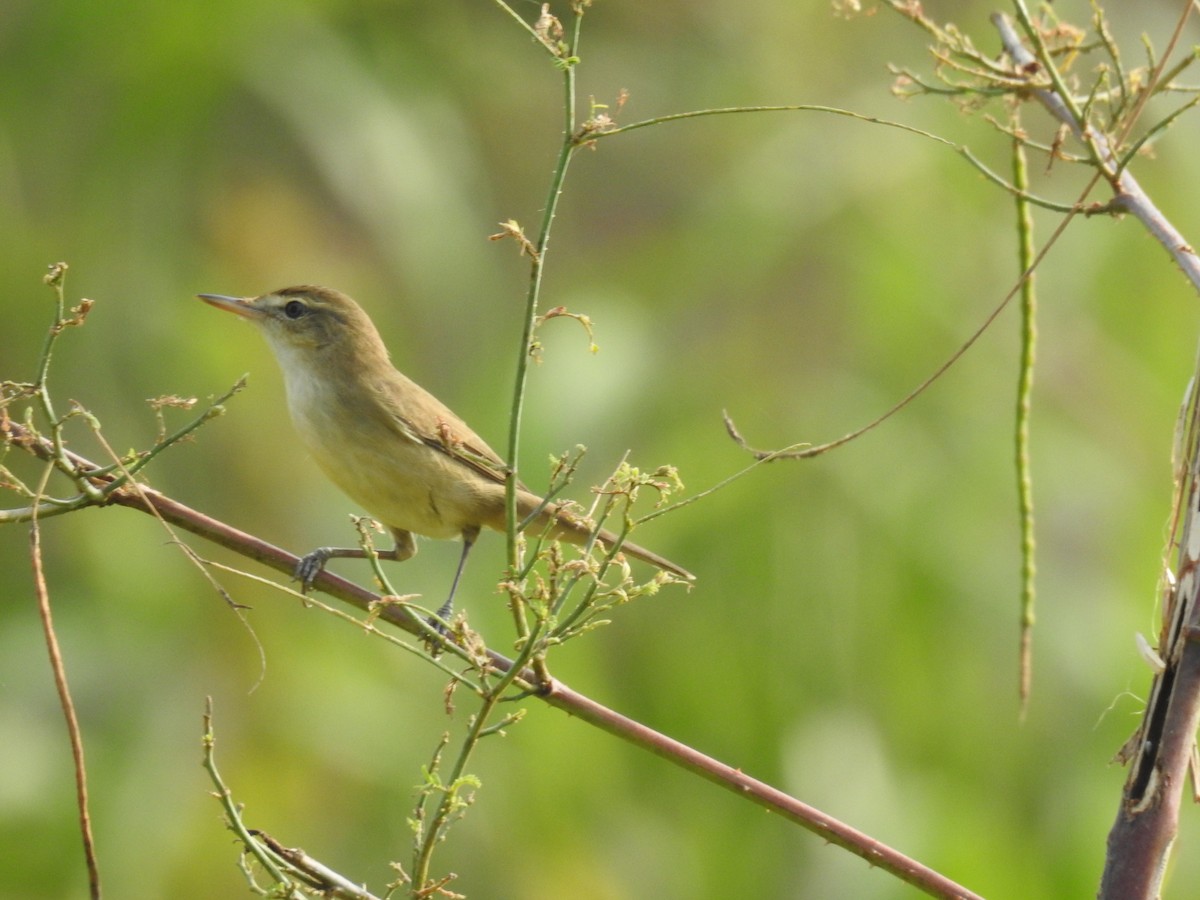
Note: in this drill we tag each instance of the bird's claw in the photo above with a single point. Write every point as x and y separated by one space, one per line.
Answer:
438 623
309 567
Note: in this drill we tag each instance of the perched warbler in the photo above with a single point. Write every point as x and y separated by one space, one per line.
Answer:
388 443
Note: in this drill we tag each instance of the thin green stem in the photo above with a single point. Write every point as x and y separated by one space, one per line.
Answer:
533 32
374 611
1164 81
450 789
1153 133
233 817
1114 55
961 149
1043 55
55 281
451 801
42 393
118 473
216 408
533 294
1026 254
434 831
43 509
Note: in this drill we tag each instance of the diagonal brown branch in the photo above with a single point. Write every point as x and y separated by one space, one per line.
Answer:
551 690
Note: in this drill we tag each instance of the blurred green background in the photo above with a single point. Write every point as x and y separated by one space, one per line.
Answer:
853 635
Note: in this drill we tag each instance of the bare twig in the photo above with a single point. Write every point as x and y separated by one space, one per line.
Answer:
296 874
816 450
320 878
68 708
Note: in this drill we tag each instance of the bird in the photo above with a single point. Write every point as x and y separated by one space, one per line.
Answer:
389 444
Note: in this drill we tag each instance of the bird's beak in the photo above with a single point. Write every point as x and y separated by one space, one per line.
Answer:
238 305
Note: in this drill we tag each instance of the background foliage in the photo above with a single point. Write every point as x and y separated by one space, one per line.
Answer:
853 635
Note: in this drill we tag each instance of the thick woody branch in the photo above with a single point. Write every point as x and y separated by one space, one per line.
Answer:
1162 751
1147 823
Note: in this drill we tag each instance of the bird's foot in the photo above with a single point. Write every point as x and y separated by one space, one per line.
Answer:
438 621
310 566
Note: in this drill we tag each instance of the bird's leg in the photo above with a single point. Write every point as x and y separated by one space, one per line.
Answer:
469 535
311 564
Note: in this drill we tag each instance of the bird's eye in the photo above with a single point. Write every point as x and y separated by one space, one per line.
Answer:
294 309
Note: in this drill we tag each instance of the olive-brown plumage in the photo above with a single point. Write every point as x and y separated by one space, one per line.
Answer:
389 444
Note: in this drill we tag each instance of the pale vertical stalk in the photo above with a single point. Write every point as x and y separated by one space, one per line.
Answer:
537 267
1026 256
479 726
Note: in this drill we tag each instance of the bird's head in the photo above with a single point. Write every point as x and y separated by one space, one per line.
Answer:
309 323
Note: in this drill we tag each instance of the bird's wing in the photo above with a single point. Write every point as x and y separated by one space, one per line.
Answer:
454 439
432 423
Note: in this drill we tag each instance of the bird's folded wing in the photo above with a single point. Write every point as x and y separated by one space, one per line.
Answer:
431 423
